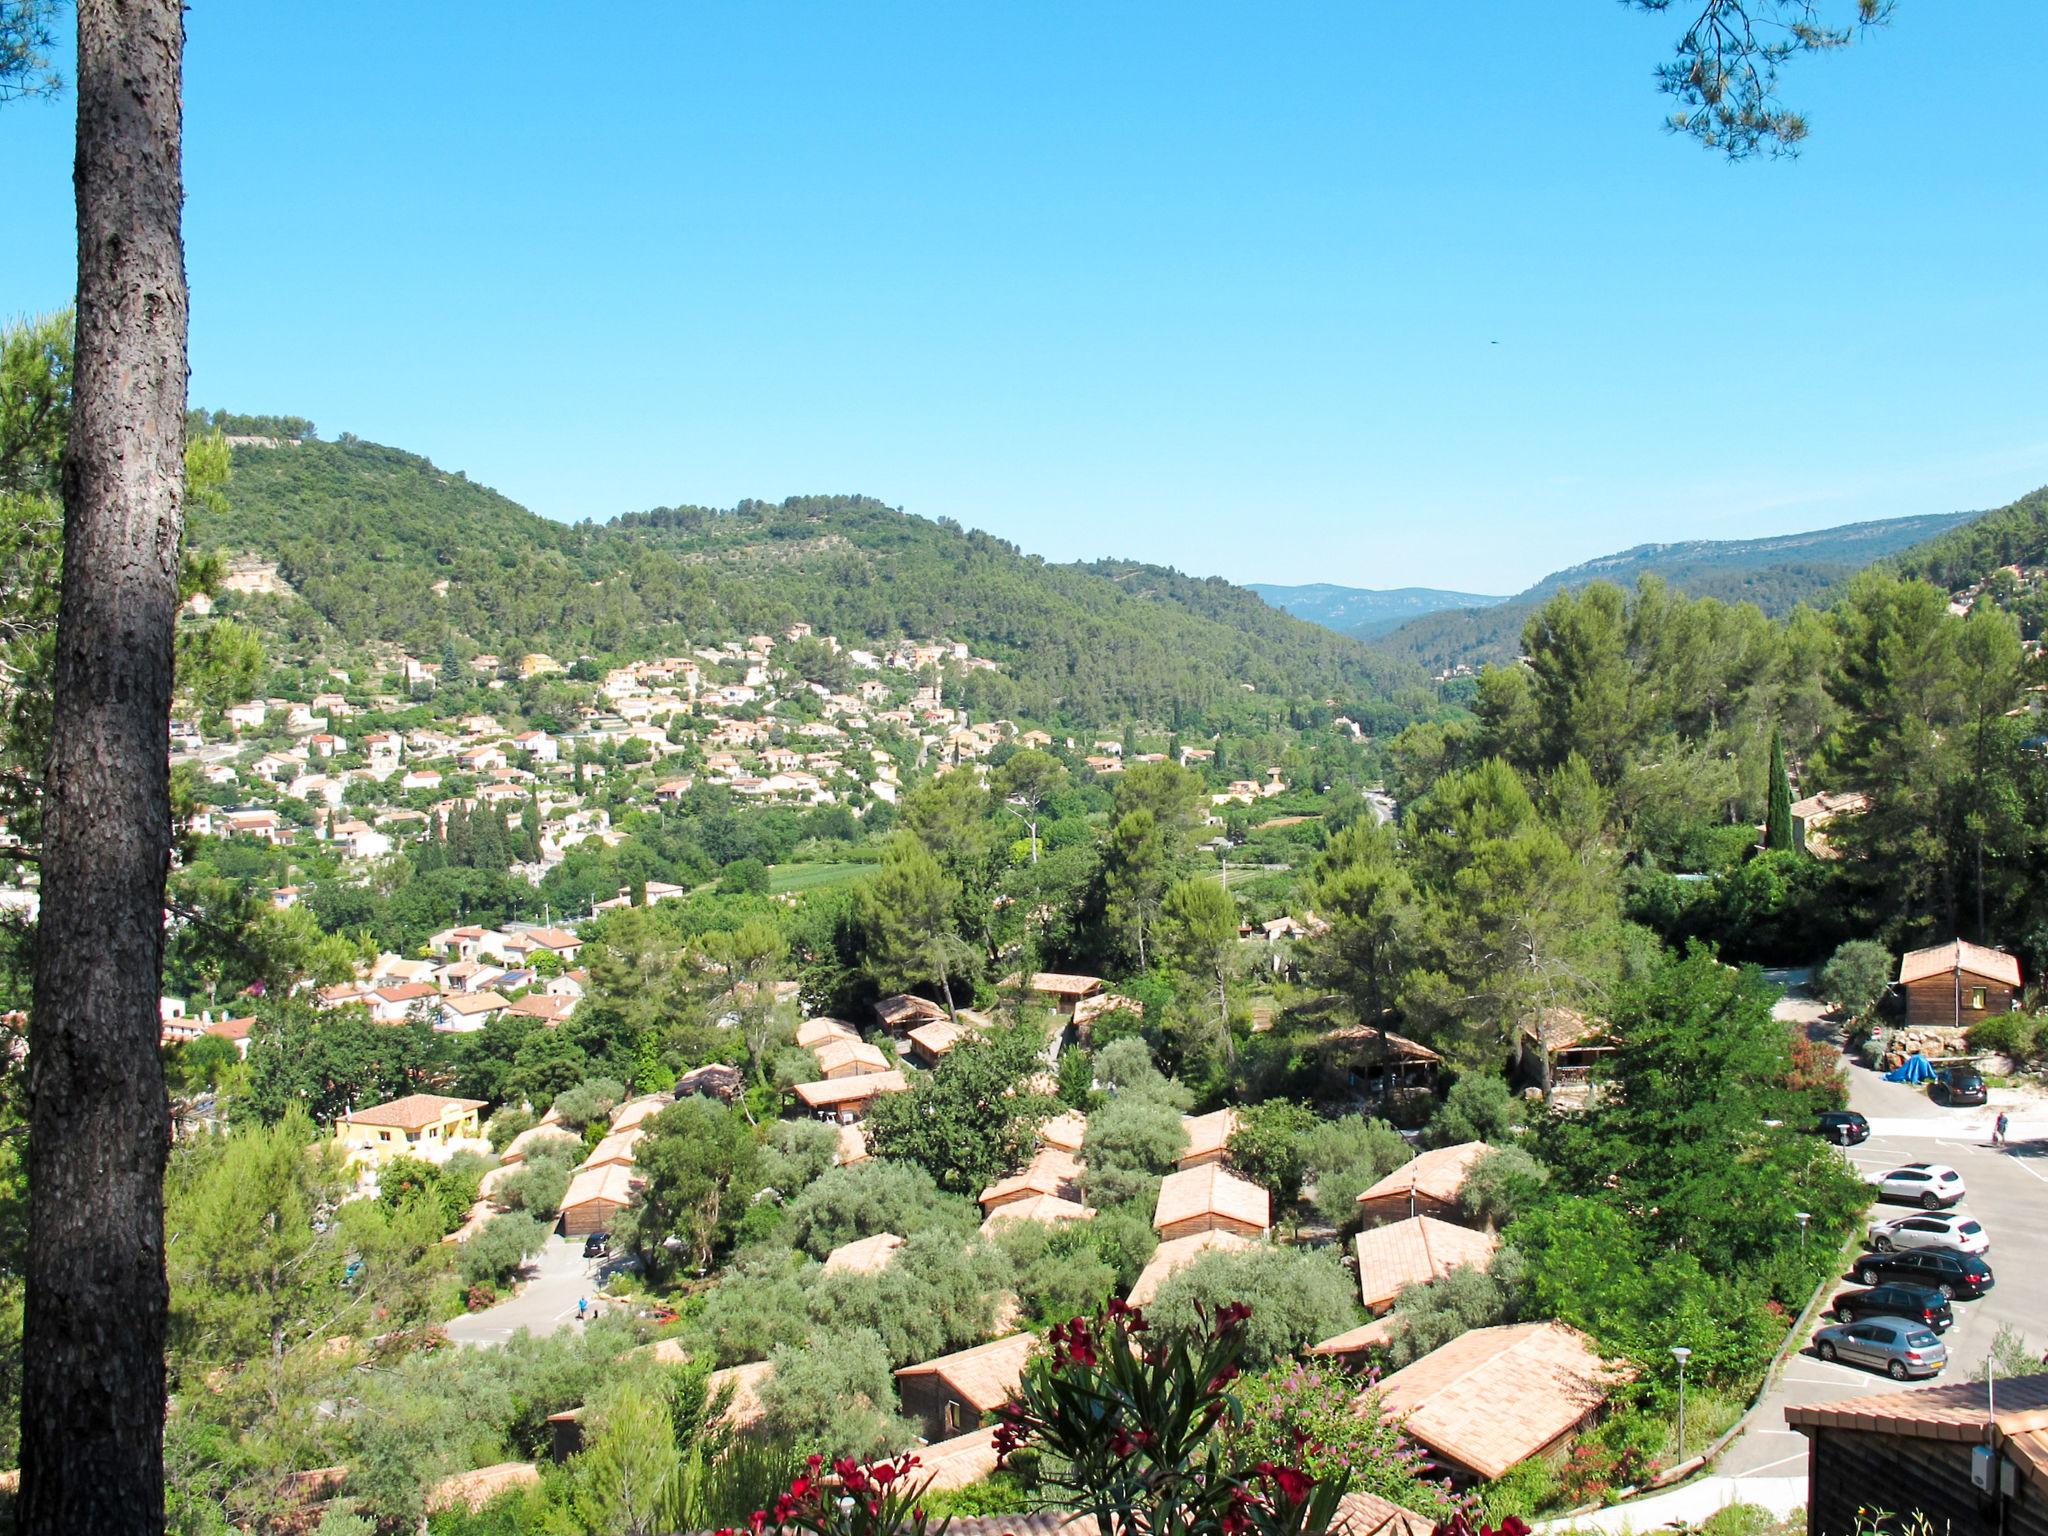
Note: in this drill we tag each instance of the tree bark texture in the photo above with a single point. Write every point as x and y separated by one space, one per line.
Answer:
97 1297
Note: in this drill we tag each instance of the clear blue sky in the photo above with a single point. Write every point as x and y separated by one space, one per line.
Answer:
1210 284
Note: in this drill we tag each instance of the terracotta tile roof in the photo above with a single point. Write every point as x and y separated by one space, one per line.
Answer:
1066 1131
1373 1335
983 1377
935 1038
518 1147
1050 1172
1415 1252
850 1090
1437 1175
1210 1190
1089 1009
1559 1029
1208 1134
1058 984
864 1256
615 1148
633 1111
1040 1208
836 1055
815 1032
1493 1397
1954 1410
470 1003
1177 1253
1365 1037
473 1490
955 1463
1959 955
745 1381
414 1112
1367 1514
903 1008
853 1146
404 992
539 1005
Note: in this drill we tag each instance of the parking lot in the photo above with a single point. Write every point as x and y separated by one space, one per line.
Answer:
2008 1193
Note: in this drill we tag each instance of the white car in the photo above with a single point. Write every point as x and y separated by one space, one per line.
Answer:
1957 1231
1929 1185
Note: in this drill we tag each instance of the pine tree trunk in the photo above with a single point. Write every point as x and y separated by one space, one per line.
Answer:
93 1347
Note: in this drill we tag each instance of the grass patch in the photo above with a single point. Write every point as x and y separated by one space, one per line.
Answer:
783 878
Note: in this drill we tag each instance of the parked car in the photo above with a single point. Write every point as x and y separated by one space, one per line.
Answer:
1844 1127
1930 1185
1958 1275
1891 1344
1959 1085
597 1245
1951 1229
1915 1303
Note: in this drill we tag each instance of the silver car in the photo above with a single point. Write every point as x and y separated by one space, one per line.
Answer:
1890 1344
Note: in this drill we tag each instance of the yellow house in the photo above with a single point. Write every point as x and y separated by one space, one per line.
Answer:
422 1125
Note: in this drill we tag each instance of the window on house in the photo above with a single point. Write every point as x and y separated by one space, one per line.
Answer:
1978 998
952 1417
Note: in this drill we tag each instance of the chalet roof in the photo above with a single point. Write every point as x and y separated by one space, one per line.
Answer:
958 1462
1960 955
1044 1209
850 1090
1493 1397
1089 1009
1059 984
936 1038
1051 1171
864 1256
614 1183
814 1032
1559 1029
1373 1335
1210 1190
414 1112
468 1003
1177 1253
1435 1175
853 1146
615 1148
633 1111
1415 1252
473 1490
835 1054
1208 1134
517 1149
1065 1131
1363 1036
902 1009
985 1376
744 1409
1954 1410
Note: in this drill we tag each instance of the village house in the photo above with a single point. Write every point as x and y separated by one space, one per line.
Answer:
1556 1053
1177 1254
847 1099
904 1010
863 1256
1958 983
839 1058
422 1125
1208 1137
1062 991
955 1393
1050 1172
1045 1210
464 1013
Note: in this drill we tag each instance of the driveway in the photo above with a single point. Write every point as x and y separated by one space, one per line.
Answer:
2008 1192
559 1275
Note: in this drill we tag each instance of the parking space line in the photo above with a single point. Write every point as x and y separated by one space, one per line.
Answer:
1780 1462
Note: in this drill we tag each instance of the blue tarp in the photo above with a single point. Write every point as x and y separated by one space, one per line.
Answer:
1914 1069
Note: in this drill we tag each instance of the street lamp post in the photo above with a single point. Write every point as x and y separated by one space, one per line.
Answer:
1681 1354
1802 1217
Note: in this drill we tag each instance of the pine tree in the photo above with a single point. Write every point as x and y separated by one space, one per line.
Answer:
1778 820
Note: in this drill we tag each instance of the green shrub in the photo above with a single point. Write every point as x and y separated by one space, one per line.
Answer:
2009 1034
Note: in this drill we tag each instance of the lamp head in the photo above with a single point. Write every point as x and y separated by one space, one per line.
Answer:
1680 1353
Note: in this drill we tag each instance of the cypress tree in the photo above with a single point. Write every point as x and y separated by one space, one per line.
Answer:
1778 820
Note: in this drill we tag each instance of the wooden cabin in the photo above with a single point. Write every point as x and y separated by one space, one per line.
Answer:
1958 983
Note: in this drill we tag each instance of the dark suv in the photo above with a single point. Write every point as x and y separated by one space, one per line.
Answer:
1915 1303
1937 1269
1958 1085
1844 1127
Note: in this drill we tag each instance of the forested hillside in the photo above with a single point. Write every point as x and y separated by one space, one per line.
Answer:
365 535
2013 535
1777 574
1364 611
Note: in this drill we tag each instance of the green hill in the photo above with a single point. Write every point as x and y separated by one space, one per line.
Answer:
1777 574
367 536
2012 535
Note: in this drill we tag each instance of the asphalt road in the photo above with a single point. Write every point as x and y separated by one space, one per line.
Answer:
2008 1192
559 1276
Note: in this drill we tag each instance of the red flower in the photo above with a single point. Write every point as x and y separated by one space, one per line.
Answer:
1294 1483
758 1520
1231 1316
882 1473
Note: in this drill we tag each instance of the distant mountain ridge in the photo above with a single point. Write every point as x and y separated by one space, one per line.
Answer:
1366 612
1776 573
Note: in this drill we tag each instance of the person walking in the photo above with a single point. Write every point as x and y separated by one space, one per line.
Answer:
1998 1130
582 1307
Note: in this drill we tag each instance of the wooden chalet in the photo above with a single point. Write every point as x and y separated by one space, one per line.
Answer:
1958 983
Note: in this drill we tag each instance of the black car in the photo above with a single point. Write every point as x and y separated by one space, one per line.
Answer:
1958 1085
1915 1303
597 1245
1844 1127
1939 1269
